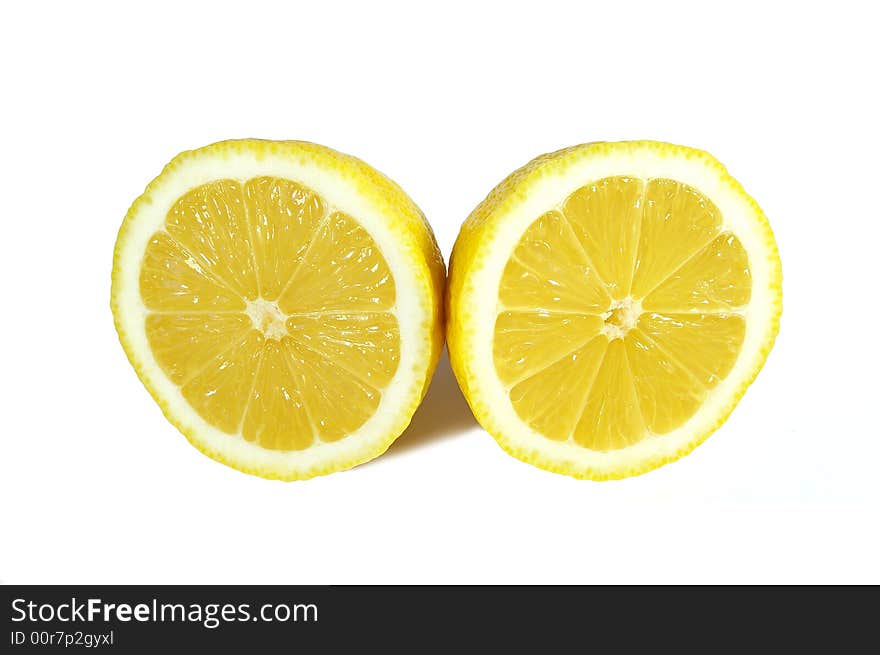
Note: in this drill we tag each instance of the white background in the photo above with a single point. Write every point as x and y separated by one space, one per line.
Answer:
95 485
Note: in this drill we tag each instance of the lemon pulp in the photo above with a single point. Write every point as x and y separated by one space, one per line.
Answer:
619 311
271 311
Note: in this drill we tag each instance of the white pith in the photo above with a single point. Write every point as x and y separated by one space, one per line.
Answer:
413 312
547 192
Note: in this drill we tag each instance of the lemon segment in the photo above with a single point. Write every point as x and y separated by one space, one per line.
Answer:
715 278
281 301
283 217
628 294
221 391
210 224
344 271
611 418
606 218
549 271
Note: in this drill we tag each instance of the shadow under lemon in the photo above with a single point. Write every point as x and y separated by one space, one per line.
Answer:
443 414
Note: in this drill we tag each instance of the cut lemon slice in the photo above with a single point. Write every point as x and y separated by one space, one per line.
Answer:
609 304
281 302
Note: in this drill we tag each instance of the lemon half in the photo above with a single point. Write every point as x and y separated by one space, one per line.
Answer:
609 304
281 301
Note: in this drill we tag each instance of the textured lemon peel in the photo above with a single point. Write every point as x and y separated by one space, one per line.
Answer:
413 238
474 246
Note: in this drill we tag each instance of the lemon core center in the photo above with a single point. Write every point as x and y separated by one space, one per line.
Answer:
621 317
267 318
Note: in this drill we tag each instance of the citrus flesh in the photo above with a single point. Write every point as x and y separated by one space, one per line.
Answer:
619 304
266 318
